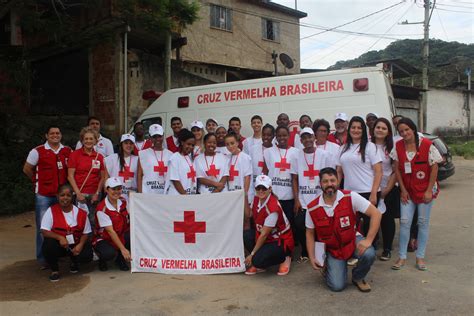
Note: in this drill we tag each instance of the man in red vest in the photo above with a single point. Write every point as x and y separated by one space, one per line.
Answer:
172 142
46 166
340 135
331 222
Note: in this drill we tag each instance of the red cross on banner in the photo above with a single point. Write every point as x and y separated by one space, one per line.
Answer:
233 173
213 172
282 165
311 173
189 227
126 173
160 168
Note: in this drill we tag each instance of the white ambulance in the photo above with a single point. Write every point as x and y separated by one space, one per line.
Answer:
356 91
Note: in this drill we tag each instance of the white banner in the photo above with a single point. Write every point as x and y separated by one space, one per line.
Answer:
187 234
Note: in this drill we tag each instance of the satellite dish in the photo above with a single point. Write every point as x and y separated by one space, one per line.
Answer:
286 61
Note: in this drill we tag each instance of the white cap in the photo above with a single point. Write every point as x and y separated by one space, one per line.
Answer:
113 182
264 180
307 130
155 129
373 114
341 116
127 137
197 124
211 119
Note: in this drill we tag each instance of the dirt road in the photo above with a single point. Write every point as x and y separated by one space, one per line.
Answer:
447 288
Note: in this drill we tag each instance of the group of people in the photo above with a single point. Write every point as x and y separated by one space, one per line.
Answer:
313 186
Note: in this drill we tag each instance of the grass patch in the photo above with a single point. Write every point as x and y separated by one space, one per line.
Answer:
465 149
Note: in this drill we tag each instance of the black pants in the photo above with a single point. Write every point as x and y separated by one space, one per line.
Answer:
288 206
268 255
52 251
249 239
107 252
300 234
392 203
414 226
366 219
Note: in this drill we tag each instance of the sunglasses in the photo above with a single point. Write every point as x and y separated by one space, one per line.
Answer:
261 188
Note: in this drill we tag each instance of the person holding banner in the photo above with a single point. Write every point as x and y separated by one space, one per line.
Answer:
182 175
274 239
331 222
124 165
153 163
112 232
212 169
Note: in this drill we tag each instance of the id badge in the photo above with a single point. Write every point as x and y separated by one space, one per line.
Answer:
96 164
407 167
60 165
70 239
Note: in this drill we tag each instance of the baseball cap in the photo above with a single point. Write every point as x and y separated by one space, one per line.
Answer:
211 120
155 129
127 137
307 130
197 124
263 180
371 115
113 182
341 116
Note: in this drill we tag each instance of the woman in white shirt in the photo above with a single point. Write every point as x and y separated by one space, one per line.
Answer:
211 168
361 165
390 194
256 154
197 128
321 129
221 131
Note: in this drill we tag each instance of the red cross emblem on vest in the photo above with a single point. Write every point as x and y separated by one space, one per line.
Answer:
233 173
191 174
282 165
126 173
311 173
189 227
160 168
213 172
345 221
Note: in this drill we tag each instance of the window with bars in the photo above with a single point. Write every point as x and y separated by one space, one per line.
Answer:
221 17
271 30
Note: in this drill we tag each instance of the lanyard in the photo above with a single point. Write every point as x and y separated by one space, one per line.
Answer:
189 163
212 161
156 157
279 152
65 221
314 157
232 157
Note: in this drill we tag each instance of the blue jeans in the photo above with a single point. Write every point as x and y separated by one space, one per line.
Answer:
406 217
41 205
336 269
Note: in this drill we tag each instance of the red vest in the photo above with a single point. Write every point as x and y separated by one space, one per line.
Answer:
48 174
171 145
61 227
282 230
338 232
147 144
333 139
418 180
120 223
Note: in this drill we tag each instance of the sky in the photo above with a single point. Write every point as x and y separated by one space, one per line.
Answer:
323 50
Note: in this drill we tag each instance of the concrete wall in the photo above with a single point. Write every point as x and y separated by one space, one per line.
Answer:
243 46
447 113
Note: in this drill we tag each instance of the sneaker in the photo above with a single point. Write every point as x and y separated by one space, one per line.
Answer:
123 266
54 277
362 286
302 259
103 265
74 267
284 268
352 262
252 270
386 255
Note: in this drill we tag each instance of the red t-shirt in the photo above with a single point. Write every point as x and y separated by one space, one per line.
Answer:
241 142
83 162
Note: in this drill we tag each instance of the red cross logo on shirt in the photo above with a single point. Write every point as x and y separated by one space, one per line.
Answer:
233 173
213 172
192 173
126 173
160 168
311 173
282 165
189 227
344 221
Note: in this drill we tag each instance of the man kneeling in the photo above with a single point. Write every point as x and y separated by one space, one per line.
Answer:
331 220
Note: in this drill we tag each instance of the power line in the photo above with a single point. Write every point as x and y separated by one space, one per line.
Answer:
454 6
471 12
358 19
442 26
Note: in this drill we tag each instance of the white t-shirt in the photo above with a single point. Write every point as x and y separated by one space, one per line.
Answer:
128 175
104 219
33 156
181 169
71 220
155 167
197 151
358 175
307 168
359 204
333 150
211 167
279 163
256 155
240 166
223 150
104 146
250 142
141 144
387 169
433 156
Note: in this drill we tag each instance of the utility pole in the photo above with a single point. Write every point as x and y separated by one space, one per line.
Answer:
468 102
275 62
167 74
426 53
